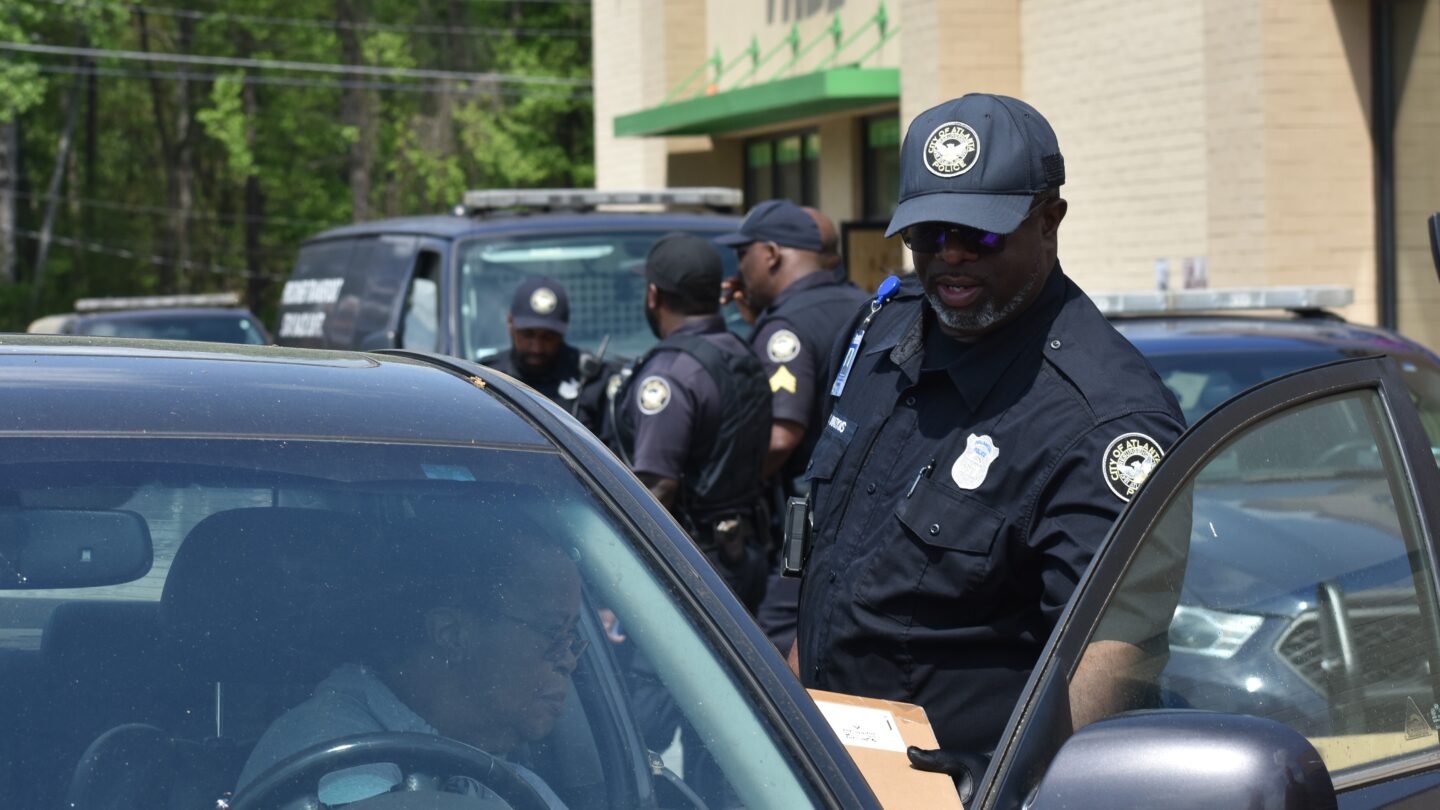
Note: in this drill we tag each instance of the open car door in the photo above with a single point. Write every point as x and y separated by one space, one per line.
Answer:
1261 628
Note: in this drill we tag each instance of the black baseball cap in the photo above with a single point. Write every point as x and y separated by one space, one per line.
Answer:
978 160
779 221
685 264
540 303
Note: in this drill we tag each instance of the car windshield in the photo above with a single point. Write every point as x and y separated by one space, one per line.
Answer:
217 329
254 597
602 272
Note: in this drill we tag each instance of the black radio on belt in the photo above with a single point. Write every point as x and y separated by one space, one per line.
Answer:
798 525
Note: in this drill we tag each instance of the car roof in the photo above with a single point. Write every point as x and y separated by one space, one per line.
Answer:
1187 334
454 227
166 313
54 384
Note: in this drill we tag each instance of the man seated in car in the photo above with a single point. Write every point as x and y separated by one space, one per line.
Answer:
473 637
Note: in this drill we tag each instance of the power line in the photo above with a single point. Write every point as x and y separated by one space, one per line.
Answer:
280 64
111 250
435 88
296 22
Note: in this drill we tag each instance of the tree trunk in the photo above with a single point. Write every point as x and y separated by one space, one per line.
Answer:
182 202
168 274
255 281
9 179
357 110
52 195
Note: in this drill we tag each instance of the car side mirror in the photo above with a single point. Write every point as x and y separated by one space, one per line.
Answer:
1186 758
1435 241
380 339
72 548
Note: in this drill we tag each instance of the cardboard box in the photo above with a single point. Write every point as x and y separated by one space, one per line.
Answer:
876 733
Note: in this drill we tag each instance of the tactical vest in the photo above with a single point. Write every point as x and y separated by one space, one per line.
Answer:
729 476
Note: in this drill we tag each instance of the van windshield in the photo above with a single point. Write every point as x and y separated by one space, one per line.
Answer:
601 272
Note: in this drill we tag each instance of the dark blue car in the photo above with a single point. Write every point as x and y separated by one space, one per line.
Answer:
1297 618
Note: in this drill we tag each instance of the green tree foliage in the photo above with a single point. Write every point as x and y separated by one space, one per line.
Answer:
202 177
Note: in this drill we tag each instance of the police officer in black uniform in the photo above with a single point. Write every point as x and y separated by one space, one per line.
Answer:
693 419
539 356
801 309
986 426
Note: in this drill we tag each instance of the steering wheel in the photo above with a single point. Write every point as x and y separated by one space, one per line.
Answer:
295 781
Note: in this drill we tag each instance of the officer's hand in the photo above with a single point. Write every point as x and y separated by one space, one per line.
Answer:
965 768
733 290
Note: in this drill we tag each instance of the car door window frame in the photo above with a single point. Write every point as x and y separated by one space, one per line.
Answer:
1040 722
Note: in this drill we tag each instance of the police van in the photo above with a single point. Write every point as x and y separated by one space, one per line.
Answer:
444 283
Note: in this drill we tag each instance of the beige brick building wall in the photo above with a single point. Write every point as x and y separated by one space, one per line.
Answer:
1232 132
1417 188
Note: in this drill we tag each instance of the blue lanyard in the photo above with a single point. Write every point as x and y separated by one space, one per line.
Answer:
885 293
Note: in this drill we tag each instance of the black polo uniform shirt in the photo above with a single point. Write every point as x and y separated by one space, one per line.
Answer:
562 383
793 338
959 492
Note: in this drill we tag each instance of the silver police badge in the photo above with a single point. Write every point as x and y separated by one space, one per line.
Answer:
612 386
1128 462
543 301
783 346
952 149
970 469
569 389
654 395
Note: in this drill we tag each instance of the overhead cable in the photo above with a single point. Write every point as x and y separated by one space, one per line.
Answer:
280 64
296 22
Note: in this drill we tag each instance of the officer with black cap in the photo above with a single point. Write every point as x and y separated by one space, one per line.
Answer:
539 356
801 309
986 425
693 419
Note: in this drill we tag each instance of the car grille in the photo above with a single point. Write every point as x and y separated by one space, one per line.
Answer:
1389 641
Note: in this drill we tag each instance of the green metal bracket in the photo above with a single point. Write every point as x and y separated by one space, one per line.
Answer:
712 62
879 20
792 39
832 30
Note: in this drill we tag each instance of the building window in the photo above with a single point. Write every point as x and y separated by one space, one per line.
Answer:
785 166
881 166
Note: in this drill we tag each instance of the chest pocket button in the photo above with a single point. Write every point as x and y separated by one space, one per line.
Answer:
934 529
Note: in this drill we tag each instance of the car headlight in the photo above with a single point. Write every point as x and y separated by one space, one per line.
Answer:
1211 632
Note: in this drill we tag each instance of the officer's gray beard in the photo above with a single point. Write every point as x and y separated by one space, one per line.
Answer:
984 316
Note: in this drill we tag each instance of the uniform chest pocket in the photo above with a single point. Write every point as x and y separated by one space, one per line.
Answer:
826 456
944 519
941 556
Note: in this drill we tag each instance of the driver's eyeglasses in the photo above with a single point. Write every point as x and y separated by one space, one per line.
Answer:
929 237
559 642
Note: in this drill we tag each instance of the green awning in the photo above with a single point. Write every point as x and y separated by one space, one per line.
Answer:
775 102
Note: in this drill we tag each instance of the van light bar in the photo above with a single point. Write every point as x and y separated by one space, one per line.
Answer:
497 199
227 299
1224 299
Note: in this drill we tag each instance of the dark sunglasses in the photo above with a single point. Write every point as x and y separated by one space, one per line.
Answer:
929 237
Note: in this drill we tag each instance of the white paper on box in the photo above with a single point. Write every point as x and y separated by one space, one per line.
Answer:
865 727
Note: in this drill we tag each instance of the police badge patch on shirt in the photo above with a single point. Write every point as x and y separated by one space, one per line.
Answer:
1128 462
783 346
654 395
970 469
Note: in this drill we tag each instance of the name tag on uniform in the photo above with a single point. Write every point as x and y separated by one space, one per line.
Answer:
970 469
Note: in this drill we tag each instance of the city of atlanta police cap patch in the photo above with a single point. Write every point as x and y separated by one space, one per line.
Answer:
1128 461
